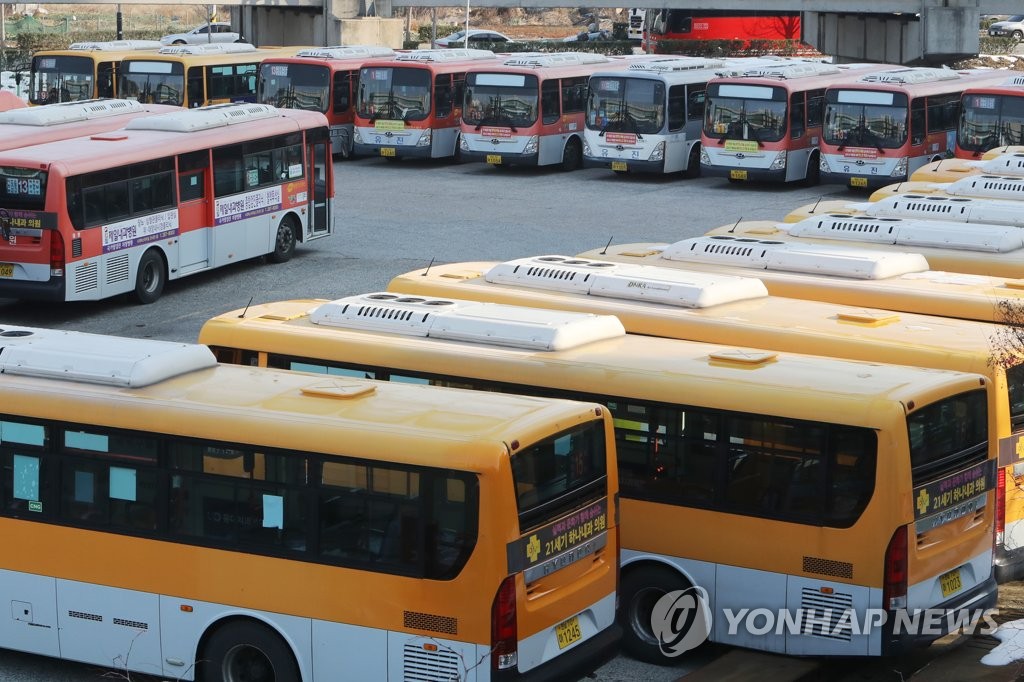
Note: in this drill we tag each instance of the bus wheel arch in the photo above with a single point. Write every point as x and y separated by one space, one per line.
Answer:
150 276
572 154
242 649
642 585
812 177
693 162
286 237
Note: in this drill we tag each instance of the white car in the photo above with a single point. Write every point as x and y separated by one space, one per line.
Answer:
476 36
1013 27
218 32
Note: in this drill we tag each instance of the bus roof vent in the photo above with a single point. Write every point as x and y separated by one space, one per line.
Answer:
940 207
796 70
448 54
117 45
204 118
993 186
917 74
347 52
1014 80
97 359
539 59
677 64
69 112
209 48
1008 164
954 236
470 321
685 289
779 256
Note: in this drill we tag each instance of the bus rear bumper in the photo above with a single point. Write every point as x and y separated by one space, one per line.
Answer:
743 174
1008 564
976 600
51 290
632 165
578 662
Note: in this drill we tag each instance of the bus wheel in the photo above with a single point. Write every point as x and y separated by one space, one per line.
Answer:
247 652
284 243
693 163
150 277
640 591
572 155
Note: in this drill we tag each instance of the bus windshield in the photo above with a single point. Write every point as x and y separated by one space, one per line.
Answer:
295 86
153 82
948 436
61 79
862 124
989 121
632 105
501 99
760 117
394 93
560 474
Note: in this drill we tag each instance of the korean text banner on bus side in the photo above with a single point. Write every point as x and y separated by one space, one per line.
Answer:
558 537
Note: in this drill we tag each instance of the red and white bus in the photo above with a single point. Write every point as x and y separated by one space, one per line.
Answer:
881 128
52 122
764 123
410 106
529 110
704 24
991 117
164 197
321 79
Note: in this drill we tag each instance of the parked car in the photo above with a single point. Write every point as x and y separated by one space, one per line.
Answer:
1013 27
218 32
476 35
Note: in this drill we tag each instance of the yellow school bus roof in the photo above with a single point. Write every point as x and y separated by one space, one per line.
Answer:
951 170
838 273
179 388
785 324
625 365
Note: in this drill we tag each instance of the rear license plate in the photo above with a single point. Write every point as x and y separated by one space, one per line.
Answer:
387 151
619 166
494 159
737 175
858 182
568 632
6 270
950 582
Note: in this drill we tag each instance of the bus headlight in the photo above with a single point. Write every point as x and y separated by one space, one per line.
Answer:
779 163
463 143
531 145
586 148
424 140
659 152
356 137
705 158
823 164
901 168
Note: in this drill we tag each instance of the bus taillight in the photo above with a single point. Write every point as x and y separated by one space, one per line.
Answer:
504 645
894 590
56 254
1000 504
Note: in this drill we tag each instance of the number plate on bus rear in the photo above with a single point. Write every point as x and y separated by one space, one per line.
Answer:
387 151
858 182
737 175
6 269
494 159
619 166
568 632
950 582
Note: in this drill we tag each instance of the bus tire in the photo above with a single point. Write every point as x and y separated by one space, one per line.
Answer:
641 588
246 651
150 278
572 155
693 163
284 241
813 176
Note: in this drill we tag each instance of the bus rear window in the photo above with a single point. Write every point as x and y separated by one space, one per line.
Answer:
948 436
22 188
560 474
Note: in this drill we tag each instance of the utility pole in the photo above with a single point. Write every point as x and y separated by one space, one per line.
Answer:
120 24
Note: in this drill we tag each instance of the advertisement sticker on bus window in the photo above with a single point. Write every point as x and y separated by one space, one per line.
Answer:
560 537
28 223
142 230
252 177
745 146
620 138
490 131
389 125
860 153
953 496
295 170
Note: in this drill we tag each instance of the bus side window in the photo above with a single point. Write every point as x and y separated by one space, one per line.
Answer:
443 95
815 107
917 121
549 101
196 98
696 96
105 79
192 169
676 107
796 115
342 90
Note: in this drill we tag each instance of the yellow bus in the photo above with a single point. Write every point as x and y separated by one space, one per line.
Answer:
757 480
660 301
951 170
916 204
166 515
982 185
196 75
84 71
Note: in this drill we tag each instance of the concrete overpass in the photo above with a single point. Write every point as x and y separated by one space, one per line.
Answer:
895 31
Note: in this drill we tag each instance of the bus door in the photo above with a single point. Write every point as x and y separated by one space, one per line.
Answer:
318 152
